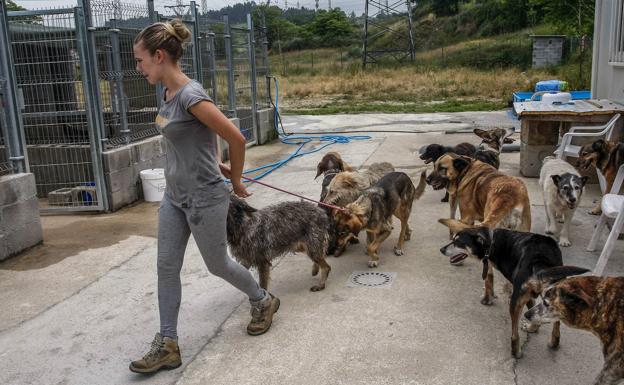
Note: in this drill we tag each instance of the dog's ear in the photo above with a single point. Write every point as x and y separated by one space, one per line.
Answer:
584 180
479 132
454 225
318 171
599 145
460 164
556 179
483 236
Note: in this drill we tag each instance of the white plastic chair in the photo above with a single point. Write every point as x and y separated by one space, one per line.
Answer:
612 205
566 148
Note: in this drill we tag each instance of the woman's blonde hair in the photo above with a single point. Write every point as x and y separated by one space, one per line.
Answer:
169 36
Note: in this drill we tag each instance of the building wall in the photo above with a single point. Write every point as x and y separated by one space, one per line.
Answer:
607 79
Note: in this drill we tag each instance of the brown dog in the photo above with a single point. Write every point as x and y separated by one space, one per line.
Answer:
606 156
373 210
346 186
595 304
332 161
484 194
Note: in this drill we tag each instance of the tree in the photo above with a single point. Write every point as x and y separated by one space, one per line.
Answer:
569 16
11 6
332 28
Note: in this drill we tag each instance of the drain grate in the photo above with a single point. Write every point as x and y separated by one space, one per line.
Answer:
371 279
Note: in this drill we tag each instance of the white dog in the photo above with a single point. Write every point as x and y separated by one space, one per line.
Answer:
562 188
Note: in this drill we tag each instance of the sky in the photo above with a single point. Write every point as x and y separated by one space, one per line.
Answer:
346 5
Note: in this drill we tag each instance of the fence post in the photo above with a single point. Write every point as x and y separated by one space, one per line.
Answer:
265 59
153 16
213 65
120 96
14 130
199 75
252 75
93 103
230 63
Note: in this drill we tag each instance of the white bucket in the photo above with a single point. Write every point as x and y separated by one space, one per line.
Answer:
153 181
560 97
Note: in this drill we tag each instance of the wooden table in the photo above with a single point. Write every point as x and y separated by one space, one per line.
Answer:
542 124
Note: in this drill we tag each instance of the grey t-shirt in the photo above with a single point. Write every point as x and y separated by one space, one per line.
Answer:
192 171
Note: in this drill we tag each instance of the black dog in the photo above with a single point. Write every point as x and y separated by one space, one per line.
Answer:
519 256
432 152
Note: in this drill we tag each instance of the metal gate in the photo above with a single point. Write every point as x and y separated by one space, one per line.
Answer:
56 82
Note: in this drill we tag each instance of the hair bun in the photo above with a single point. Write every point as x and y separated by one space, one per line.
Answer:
178 30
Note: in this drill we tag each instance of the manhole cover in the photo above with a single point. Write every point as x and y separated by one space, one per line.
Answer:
371 279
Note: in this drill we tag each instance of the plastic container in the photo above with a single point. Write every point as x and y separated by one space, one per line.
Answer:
551 85
559 97
153 182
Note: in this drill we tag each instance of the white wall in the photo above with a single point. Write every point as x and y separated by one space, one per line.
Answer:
607 79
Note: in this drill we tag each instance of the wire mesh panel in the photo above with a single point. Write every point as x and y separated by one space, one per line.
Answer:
129 102
214 61
49 79
262 68
242 80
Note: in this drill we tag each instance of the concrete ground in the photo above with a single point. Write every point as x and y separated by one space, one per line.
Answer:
81 306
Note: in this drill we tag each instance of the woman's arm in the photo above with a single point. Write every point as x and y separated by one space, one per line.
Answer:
207 113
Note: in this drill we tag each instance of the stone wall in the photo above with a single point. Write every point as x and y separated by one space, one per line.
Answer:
20 223
547 50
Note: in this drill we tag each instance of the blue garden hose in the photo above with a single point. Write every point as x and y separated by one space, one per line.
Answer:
297 140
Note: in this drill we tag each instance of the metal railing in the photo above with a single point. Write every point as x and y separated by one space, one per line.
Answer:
74 91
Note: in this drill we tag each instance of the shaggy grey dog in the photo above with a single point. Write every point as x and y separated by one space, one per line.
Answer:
347 186
256 236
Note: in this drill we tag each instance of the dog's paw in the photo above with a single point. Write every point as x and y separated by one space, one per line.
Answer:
317 288
528 326
372 264
398 251
517 354
564 242
553 343
487 301
595 211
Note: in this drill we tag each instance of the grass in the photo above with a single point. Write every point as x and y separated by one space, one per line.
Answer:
475 75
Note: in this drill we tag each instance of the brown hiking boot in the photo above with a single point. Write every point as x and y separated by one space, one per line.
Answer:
164 354
262 315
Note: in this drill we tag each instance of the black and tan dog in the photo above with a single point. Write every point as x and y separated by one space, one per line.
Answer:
484 194
607 156
595 304
517 255
256 237
433 152
373 210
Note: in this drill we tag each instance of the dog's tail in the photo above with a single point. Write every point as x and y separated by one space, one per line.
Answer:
420 189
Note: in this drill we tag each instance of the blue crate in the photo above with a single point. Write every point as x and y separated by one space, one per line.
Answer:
525 96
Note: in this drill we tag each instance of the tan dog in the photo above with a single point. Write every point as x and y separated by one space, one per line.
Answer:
595 304
484 194
373 210
607 156
347 186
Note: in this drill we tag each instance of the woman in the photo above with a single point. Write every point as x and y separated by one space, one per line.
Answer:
196 199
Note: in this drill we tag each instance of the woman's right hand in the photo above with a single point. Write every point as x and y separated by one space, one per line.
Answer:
240 189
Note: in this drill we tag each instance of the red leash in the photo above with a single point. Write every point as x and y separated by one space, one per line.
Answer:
297 195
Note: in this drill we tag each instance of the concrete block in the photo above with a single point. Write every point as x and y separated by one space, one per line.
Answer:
265 126
22 238
531 157
123 198
150 148
539 132
18 214
17 187
117 159
122 179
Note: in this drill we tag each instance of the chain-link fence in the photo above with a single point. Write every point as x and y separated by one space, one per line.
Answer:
79 94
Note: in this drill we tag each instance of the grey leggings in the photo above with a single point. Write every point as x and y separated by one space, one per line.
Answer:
208 226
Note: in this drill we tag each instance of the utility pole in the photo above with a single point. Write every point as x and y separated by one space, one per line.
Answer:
402 43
